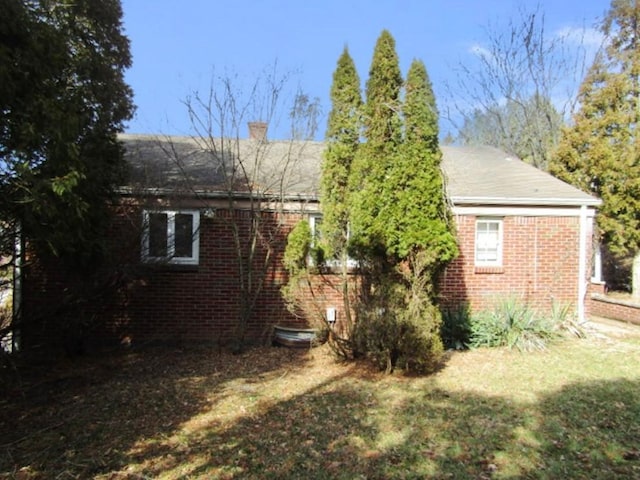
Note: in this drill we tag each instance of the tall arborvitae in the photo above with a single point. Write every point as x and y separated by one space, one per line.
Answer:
342 139
417 216
383 135
399 217
600 152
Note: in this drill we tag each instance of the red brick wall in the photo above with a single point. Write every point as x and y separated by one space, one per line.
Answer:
184 303
170 302
613 308
540 264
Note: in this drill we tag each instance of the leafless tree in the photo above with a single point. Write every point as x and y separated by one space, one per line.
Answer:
253 177
522 86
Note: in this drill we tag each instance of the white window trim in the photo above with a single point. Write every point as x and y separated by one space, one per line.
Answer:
489 263
170 258
313 219
596 270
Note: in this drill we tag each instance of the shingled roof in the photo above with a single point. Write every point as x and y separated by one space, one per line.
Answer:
209 167
475 175
487 175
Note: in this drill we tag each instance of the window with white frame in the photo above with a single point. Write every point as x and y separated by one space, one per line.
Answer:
315 222
596 270
488 248
171 236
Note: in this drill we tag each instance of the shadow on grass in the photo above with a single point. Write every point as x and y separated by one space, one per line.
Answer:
342 426
348 428
88 418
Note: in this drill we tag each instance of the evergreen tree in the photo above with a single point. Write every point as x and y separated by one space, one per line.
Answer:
600 152
383 134
342 139
63 100
403 326
417 216
399 217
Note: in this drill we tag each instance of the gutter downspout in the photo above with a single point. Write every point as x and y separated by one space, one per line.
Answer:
582 264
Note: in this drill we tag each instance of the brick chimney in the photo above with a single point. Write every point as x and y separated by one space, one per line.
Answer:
258 130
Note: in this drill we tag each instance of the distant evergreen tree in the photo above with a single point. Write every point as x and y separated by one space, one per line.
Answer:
600 152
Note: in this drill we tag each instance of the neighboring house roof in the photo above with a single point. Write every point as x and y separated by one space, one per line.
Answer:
475 175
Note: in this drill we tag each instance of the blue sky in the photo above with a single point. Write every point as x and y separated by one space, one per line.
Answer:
177 46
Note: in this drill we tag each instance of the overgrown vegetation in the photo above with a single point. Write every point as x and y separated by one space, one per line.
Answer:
510 323
399 326
571 411
383 192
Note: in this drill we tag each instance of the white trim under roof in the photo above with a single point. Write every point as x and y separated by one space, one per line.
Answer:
524 211
574 202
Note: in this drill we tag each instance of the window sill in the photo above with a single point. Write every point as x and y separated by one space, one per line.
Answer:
488 270
170 267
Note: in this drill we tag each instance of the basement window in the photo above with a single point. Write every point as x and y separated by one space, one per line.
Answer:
171 236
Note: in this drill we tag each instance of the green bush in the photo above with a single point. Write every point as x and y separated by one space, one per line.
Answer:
399 330
511 324
456 327
298 247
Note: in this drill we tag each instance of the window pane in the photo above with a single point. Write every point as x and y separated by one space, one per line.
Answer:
183 235
317 226
158 234
487 242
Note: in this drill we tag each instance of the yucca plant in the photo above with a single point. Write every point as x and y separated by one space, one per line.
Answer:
511 323
565 320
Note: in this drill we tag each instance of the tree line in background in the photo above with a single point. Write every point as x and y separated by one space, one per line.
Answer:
519 100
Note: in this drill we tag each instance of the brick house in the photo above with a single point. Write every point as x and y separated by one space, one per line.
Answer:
520 231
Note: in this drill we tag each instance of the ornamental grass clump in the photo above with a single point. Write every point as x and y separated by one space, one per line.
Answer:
512 323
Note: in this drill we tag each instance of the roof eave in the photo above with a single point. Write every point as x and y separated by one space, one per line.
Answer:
212 194
525 201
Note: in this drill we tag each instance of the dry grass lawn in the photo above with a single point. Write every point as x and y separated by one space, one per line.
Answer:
572 411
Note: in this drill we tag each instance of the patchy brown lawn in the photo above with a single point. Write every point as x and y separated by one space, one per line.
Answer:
570 412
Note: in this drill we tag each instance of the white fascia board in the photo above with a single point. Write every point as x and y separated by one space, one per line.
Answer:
509 211
552 202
